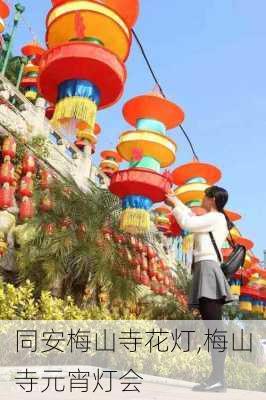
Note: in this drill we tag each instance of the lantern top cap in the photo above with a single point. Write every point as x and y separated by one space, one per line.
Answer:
111 154
4 9
128 10
196 169
153 106
32 49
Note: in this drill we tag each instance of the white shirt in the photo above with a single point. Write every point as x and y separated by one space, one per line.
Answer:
213 221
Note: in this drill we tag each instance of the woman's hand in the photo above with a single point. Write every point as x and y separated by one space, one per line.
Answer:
171 199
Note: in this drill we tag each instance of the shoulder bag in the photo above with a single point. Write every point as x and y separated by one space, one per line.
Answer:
235 260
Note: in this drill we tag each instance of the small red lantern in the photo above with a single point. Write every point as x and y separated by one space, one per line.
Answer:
144 278
28 164
6 197
107 232
46 179
7 172
26 209
26 186
9 147
49 228
46 203
151 252
66 222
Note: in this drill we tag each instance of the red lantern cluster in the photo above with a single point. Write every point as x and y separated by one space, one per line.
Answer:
7 173
148 268
26 208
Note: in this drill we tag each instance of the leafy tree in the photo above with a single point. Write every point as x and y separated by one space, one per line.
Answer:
68 246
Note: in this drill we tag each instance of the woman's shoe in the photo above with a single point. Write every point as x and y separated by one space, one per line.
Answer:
200 387
215 387
207 382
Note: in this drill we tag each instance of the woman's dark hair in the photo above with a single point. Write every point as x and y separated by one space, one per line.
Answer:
219 195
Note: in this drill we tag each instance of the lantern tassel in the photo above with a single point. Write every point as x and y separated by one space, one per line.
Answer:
187 244
135 221
31 95
79 108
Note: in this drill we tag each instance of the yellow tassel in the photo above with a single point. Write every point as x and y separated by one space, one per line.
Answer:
135 221
79 108
31 95
245 306
187 244
235 290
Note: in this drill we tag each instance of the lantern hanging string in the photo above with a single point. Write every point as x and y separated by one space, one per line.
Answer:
161 89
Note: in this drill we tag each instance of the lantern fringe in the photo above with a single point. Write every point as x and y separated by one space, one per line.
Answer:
135 221
187 244
79 108
31 95
245 306
235 289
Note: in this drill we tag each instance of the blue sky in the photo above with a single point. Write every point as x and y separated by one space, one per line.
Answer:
210 59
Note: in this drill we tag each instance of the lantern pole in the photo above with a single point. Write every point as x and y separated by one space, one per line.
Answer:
19 11
23 62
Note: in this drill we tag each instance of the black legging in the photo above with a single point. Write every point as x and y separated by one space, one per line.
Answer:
211 309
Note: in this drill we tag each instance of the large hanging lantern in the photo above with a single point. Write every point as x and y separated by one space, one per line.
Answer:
88 138
110 162
83 70
31 71
147 149
193 179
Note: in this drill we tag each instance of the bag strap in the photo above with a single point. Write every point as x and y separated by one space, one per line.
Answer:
215 246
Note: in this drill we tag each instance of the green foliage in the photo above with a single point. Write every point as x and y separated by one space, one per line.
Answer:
38 143
76 254
13 69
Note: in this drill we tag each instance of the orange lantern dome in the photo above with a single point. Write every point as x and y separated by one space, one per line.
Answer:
208 172
110 162
153 106
32 49
91 21
193 179
127 9
4 9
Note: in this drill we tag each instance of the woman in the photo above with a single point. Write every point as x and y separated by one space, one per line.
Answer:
210 289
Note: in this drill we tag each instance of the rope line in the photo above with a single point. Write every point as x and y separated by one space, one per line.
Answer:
156 80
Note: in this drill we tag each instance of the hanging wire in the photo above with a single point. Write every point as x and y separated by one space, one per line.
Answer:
161 89
28 26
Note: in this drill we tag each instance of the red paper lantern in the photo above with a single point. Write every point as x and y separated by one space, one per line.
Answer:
26 209
26 186
6 197
46 179
7 172
46 203
9 147
28 164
